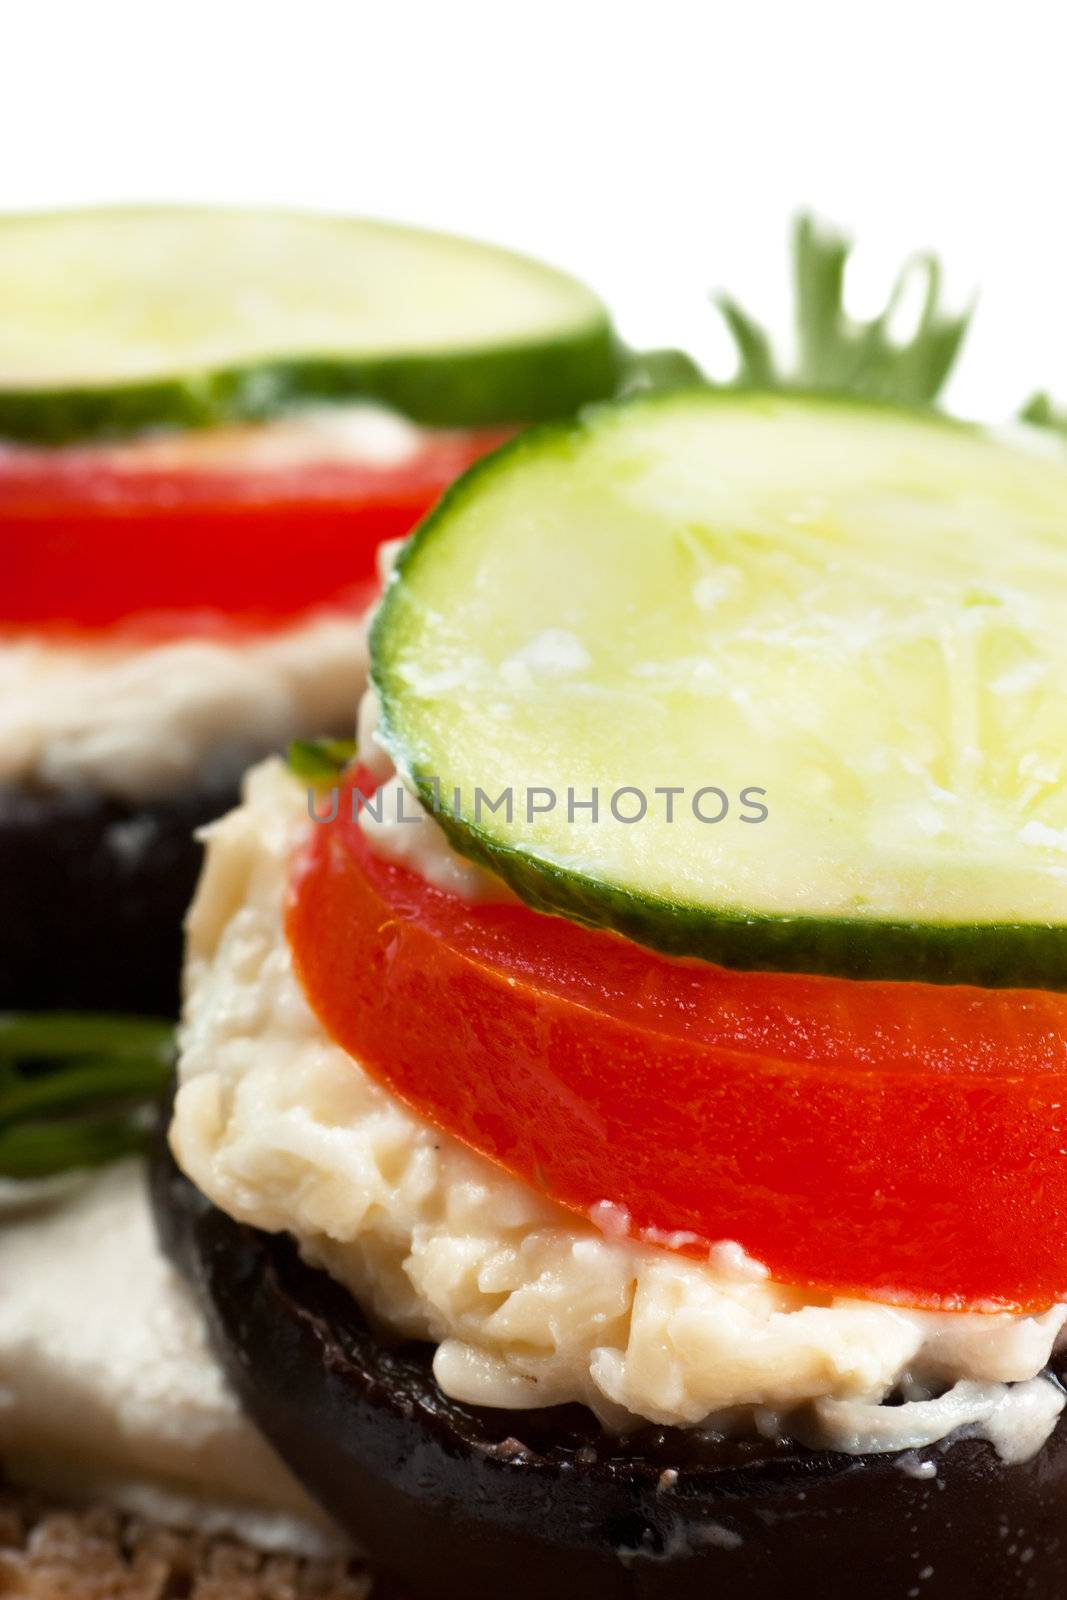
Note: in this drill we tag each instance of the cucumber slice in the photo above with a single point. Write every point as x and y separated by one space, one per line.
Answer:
856 610
114 321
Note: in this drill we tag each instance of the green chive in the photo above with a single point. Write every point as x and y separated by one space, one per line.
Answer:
320 760
56 1035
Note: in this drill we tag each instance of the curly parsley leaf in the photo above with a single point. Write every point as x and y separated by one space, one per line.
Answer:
648 371
837 354
1040 412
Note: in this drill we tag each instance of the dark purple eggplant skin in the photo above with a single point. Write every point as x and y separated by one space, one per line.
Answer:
94 892
452 1502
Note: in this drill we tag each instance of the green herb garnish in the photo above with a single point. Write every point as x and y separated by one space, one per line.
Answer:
78 1090
320 760
1040 412
647 370
834 352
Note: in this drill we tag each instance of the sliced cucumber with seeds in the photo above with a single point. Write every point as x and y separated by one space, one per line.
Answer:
113 321
857 611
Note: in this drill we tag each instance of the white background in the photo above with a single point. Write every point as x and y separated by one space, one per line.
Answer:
656 149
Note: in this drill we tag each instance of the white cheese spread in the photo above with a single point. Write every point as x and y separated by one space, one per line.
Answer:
398 828
362 434
139 721
107 1387
528 1304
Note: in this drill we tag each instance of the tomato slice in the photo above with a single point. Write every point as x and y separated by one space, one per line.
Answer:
94 541
895 1140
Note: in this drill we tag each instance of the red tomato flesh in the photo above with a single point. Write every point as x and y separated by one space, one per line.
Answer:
893 1140
94 543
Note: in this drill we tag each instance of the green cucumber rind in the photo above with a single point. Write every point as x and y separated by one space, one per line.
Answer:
989 955
523 381
500 385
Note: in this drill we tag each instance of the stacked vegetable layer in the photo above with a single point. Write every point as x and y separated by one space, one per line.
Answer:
831 1030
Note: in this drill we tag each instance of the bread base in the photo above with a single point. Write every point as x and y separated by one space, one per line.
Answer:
95 889
52 1552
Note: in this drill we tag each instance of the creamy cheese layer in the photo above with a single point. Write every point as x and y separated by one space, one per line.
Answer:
107 1387
136 721
360 433
528 1304
394 822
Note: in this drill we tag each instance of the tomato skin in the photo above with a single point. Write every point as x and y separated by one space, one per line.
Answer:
839 1154
91 546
